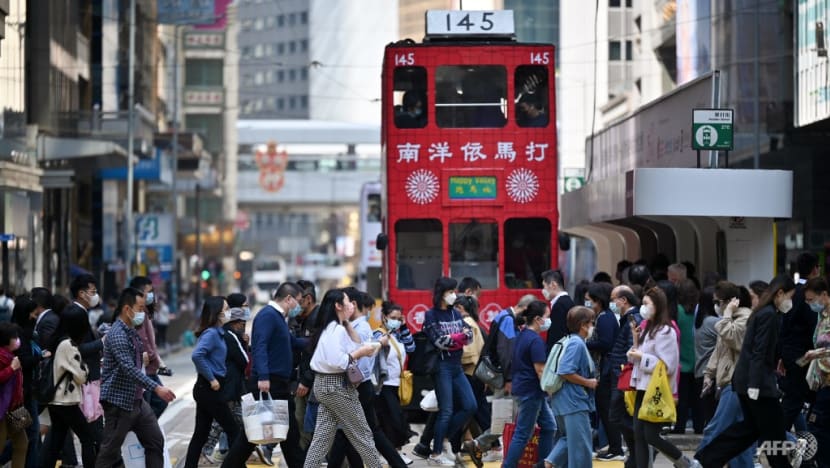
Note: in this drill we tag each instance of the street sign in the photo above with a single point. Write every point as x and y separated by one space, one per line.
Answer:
6 237
712 129
572 184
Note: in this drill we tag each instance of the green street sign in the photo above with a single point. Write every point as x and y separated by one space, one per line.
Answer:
573 183
713 129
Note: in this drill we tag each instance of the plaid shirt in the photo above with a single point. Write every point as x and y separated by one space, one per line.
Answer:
121 377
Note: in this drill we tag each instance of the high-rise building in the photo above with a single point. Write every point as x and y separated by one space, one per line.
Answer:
317 59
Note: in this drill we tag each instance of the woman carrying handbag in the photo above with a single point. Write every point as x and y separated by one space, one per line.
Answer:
656 358
11 394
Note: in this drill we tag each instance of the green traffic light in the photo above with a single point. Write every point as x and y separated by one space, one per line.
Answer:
205 275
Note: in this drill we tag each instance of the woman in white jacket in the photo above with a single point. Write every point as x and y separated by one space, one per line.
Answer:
70 373
658 342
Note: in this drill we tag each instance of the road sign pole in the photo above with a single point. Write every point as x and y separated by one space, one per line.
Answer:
727 158
698 159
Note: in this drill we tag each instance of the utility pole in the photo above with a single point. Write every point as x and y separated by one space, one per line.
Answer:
130 143
174 286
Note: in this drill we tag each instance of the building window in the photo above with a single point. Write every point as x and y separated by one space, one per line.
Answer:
292 102
292 75
292 19
270 103
614 50
304 17
246 52
203 72
629 50
269 77
614 3
304 74
304 102
292 47
281 20
269 50
281 76
269 22
259 79
629 3
280 48
280 103
304 45
259 23
258 50
247 79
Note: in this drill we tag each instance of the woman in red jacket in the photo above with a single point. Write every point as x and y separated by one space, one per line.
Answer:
11 392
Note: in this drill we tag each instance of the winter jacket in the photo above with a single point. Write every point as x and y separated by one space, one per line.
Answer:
68 362
731 331
663 347
757 362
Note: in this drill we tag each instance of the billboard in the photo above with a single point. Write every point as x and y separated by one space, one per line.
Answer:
186 12
812 96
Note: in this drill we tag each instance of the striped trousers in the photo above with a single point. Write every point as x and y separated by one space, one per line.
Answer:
339 407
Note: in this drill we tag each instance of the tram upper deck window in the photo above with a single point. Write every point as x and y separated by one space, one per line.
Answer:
471 96
410 97
532 104
419 252
527 251
474 251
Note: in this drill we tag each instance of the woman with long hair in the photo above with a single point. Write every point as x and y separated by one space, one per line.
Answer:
70 373
755 382
658 342
210 358
11 392
447 330
336 345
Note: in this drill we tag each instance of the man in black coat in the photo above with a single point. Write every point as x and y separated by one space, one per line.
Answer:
46 321
553 284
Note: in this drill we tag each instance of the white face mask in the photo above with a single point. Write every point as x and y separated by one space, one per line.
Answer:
226 316
94 300
717 309
646 311
546 294
786 305
545 324
591 331
450 298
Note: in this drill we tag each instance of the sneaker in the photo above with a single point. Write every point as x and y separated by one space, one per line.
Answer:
797 455
406 460
206 459
492 456
474 451
439 460
459 460
264 455
421 451
688 462
608 456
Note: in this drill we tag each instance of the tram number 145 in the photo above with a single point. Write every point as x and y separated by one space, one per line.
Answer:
465 22
451 22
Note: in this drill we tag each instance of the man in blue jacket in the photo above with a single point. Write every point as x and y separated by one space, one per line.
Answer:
272 346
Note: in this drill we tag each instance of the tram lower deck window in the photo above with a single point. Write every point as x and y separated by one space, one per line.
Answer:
471 96
474 252
527 252
419 250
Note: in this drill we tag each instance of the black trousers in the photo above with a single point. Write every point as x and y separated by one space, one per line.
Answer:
63 419
366 394
622 422
648 434
210 406
818 422
607 383
763 420
796 392
706 406
687 401
393 423
241 449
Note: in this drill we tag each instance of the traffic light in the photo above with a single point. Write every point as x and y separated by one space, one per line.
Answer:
205 275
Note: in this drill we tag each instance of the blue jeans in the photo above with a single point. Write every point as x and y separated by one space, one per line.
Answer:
573 447
33 433
456 402
727 413
532 410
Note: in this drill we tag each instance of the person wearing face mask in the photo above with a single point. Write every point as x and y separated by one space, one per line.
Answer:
658 342
236 364
401 342
553 289
574 402
411 114
709 310
70 373
447 330
600 343
11 392
123 385
272 346
817 361
754 381
305 325
210 358
148 336
730 327
529 359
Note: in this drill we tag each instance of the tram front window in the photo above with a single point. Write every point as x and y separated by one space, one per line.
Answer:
527 251
471 96
474 251
419 251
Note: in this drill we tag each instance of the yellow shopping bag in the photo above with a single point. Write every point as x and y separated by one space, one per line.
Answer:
658 402
630 397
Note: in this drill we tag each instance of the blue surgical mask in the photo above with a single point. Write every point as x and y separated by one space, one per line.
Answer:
589 304
816 306
138 319
151 297
247 311
613 307
295 311
545 324
393 324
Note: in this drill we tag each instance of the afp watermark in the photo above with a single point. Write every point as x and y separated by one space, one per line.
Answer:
776 447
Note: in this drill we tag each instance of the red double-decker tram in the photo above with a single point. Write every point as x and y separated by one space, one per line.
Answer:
470 164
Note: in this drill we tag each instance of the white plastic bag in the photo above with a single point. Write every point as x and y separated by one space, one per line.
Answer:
133 453
430 402
265 420
501 414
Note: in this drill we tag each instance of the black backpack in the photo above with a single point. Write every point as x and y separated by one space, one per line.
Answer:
44 381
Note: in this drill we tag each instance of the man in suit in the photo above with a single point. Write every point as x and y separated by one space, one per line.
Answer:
46 320
553 288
